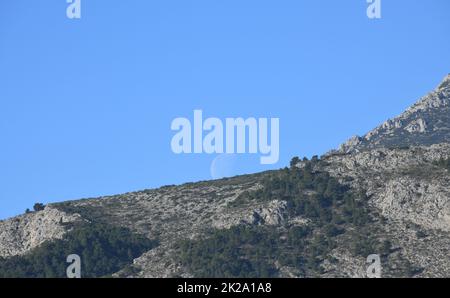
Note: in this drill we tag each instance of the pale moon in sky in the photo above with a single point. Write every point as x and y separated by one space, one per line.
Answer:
224 165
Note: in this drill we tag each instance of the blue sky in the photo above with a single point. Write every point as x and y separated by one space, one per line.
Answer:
86 105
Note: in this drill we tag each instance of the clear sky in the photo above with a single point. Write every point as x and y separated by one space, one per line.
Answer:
86 105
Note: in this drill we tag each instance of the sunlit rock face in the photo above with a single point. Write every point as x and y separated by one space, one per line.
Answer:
20 234
424 123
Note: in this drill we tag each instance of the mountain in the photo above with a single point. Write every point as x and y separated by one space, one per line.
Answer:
427 122
387 193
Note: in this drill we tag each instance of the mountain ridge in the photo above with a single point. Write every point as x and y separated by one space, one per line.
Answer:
388 186
426 122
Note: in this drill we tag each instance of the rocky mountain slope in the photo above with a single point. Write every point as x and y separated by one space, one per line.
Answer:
386 193
427 122
23 233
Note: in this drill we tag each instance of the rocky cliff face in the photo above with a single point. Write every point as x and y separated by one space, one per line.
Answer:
427 122
394 165
20 234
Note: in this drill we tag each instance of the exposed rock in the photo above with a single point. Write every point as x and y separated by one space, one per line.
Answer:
393 164
350 145
272 214
427 122
417 126
20 234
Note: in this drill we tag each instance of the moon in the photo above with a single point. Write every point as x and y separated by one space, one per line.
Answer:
223 165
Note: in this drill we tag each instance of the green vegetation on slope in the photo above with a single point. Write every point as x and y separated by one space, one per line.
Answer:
239 252
103 250
250 251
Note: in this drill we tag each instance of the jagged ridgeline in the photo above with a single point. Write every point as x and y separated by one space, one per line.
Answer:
103 249
427 122
332 215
